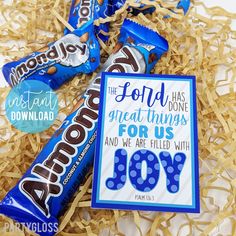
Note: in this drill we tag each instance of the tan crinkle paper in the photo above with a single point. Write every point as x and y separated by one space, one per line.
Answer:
199 45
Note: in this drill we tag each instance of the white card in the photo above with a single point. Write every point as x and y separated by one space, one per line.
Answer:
146 152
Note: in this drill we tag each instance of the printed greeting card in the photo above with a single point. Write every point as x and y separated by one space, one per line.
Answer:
146 153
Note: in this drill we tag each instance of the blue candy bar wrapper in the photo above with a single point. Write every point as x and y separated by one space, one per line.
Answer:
117 4
77 52
84 10
40 197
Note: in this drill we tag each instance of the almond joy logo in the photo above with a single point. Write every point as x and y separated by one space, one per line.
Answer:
48 175
68 51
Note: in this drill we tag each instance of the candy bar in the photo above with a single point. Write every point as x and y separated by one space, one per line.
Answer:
145 9
42 194
84 10
77 52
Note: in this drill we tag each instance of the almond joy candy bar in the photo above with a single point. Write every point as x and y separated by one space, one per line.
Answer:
84 10
76 52
42 194
145 9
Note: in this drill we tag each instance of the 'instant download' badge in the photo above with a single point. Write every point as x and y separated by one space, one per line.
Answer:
146 155
31 106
